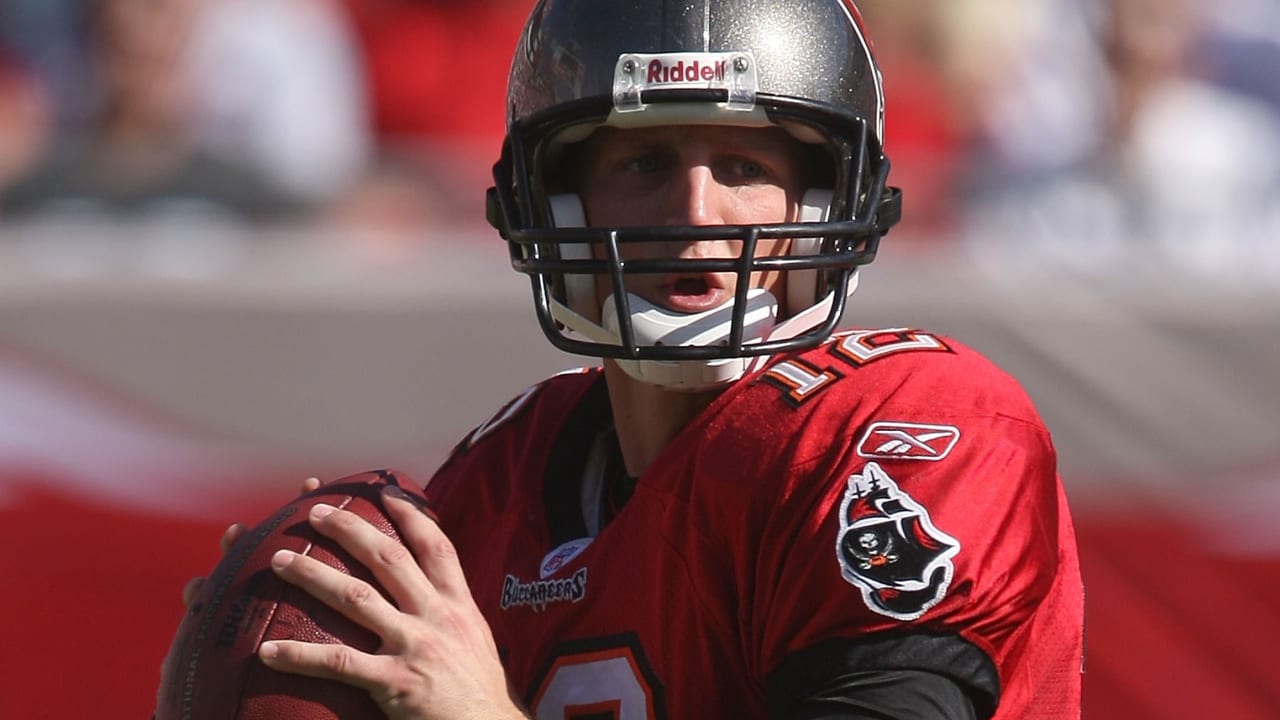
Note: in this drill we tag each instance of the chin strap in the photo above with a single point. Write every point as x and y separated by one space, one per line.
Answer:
654 325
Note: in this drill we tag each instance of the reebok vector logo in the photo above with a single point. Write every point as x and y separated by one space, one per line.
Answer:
908 441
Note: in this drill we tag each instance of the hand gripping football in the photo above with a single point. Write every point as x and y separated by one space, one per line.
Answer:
213 672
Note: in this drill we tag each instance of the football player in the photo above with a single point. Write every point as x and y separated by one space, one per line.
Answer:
743 512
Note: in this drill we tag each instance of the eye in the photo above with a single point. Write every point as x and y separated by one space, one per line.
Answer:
747 169
644 164
750 169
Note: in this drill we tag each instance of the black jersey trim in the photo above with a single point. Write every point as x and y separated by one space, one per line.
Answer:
916 675
562 483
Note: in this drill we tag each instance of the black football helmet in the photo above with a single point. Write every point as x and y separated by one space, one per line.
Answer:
804 65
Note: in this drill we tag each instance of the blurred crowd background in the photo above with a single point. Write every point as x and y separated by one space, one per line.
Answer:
243 241
1082 130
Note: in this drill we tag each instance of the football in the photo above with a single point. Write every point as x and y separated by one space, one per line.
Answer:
213 672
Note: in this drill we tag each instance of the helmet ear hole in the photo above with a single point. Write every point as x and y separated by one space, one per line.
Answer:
579 289
802 285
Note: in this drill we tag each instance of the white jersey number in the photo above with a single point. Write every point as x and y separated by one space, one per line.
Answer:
603 684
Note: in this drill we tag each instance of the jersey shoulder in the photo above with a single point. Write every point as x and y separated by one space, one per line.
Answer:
899 367
919 461
538 410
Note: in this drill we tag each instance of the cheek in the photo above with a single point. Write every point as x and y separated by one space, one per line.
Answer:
774 282
772 248
761 205
607 208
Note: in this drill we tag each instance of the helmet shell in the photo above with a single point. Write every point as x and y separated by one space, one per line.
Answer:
814 50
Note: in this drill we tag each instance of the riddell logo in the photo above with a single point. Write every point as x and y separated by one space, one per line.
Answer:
661 73
908 441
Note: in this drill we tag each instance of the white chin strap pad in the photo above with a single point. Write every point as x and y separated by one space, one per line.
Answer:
654 325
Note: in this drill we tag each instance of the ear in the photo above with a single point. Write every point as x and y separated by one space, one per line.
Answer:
802 288
579 289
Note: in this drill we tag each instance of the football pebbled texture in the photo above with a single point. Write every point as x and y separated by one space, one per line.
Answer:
213 672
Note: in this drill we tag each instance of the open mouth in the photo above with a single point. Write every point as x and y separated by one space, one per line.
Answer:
693 293
695 286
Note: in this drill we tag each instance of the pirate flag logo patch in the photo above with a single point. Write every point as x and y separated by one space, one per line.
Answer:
889 548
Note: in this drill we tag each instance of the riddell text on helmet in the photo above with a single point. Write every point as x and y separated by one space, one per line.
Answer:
662 73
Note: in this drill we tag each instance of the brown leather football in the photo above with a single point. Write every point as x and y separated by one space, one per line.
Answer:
213 672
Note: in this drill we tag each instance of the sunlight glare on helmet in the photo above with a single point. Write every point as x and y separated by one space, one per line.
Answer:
777 43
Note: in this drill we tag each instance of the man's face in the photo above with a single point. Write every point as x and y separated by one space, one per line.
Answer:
692 175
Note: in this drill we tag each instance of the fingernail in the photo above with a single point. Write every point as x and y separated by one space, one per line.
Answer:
268 650
281 559
321 510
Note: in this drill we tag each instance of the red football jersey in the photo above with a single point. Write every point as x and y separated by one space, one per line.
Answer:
886 482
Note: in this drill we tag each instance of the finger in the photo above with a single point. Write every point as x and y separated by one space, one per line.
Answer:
435 552
229 537
310 484
330 662
191 590
353 598
390 562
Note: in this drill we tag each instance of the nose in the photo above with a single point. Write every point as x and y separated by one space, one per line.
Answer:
696 198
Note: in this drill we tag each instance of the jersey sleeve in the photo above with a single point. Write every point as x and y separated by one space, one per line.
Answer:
956 543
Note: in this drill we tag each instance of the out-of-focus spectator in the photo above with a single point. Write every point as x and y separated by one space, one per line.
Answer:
24 121
48 38
436 72
922 134
438 68
135 156
1164 166
249 109
1243 47
276 86
955 72
1025 82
